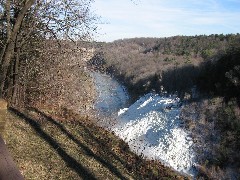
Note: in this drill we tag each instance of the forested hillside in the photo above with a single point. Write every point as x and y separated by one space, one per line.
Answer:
163 64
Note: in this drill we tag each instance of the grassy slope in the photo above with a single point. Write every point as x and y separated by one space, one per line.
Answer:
46 148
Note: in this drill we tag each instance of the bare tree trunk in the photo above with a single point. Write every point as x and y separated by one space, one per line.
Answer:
9 47
8 16
14 99
10 82
8 3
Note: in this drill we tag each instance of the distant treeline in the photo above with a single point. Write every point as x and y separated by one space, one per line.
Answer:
173 64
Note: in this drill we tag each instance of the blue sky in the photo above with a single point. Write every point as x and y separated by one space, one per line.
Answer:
163 18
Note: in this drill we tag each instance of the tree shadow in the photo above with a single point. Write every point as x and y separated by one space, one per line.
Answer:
221 76
218 76
68 159
180 79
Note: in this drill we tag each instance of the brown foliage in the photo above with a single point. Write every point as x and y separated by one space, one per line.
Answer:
59 79
28 24
149 63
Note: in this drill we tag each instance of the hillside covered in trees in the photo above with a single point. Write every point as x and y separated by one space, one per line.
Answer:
163 64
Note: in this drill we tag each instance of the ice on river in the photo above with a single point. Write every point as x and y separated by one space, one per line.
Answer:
111 95
151 126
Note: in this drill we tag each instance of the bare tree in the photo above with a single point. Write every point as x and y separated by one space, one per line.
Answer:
28 22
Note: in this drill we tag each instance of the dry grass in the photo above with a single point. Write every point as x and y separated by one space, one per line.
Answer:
3 110
3 104
45 148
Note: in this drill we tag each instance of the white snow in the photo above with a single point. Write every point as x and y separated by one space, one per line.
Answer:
151 126
121 111
111 95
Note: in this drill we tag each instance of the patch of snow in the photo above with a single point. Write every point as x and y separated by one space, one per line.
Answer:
145 103
121 111
153 130
111 95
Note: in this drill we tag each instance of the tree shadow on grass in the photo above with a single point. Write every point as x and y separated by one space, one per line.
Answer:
68 159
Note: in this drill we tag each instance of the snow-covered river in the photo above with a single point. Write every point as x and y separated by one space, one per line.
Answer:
151 126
